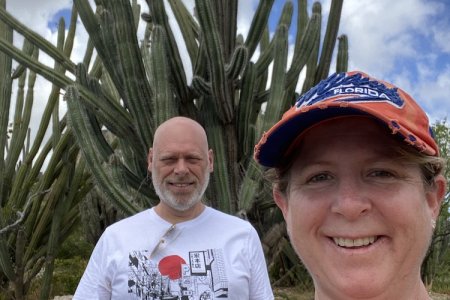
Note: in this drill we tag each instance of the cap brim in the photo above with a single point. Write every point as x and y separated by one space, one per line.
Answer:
279 138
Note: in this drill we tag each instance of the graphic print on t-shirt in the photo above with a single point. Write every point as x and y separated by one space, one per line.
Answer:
203 277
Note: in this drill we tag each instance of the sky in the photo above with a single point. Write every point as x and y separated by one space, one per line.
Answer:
406 42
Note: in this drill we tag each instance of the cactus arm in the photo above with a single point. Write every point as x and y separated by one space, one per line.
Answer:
110 111
117 113
36 39
55 228
226 12
188 26
88 53
250 186
6 264
91 141
238 62
136 93
164 104
258 25
68 46
5 99
136 10
118 48
305 50
251 182
342 57
17 123
28 49
311 65
263 75
329 40
56 130
217 141
286 14
91 24
178 74
266 56
275 104
44 204
34 65
117 126
21 125
302 22
245 125
223 100
200 86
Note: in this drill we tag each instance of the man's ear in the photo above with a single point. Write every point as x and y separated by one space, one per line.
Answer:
436 195
211 160
281 200
149 160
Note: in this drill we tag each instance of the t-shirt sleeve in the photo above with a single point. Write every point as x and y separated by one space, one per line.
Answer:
260 288
94 284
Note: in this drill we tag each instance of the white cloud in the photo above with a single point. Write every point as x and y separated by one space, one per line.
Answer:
382 31
36 14
402 42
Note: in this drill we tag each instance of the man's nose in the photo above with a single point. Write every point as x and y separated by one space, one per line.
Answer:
351 201
181 167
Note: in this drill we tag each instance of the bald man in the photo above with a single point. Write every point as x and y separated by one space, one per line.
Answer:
179 249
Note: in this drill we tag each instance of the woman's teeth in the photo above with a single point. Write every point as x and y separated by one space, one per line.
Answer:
349 243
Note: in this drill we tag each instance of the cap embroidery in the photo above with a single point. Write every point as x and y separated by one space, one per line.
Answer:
351 88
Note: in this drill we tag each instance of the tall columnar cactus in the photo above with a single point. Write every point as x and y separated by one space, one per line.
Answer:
38 203
132 88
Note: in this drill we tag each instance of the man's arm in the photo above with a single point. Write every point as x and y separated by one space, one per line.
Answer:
260 288
94 284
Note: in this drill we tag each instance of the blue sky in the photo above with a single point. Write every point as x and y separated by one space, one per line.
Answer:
406 42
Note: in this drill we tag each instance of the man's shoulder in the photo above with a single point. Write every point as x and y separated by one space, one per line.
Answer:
230 219
137 219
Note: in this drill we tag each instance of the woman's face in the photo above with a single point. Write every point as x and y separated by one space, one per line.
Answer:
359 218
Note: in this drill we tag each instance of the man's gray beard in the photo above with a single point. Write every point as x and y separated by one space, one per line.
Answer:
168 198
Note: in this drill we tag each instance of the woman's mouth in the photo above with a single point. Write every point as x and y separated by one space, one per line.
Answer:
181 184
353 243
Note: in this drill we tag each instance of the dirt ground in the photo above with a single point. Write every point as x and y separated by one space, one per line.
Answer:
295 294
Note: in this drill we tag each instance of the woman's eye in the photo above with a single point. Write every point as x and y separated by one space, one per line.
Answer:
319 178
382 174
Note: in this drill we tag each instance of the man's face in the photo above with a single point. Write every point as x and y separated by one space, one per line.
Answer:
180 165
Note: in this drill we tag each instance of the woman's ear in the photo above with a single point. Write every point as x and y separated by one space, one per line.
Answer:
436 195
280 200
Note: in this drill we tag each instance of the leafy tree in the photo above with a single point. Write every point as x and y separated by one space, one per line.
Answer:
438 254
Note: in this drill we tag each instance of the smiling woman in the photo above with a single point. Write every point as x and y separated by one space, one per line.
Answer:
357 175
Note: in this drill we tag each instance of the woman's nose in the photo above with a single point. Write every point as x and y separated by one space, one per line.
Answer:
351 200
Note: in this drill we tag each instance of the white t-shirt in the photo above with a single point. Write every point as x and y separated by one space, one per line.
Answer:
214 256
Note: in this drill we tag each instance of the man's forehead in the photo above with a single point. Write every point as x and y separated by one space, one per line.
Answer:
179 149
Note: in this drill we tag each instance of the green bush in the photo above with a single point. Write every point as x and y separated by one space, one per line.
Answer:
67 275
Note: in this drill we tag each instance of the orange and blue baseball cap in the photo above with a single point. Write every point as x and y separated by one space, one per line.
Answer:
348 94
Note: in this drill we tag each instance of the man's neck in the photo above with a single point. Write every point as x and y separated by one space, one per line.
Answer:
174 216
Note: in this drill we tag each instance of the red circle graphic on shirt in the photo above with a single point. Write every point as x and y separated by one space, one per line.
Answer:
171 266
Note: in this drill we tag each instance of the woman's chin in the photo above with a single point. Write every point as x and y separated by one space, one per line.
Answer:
357 285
